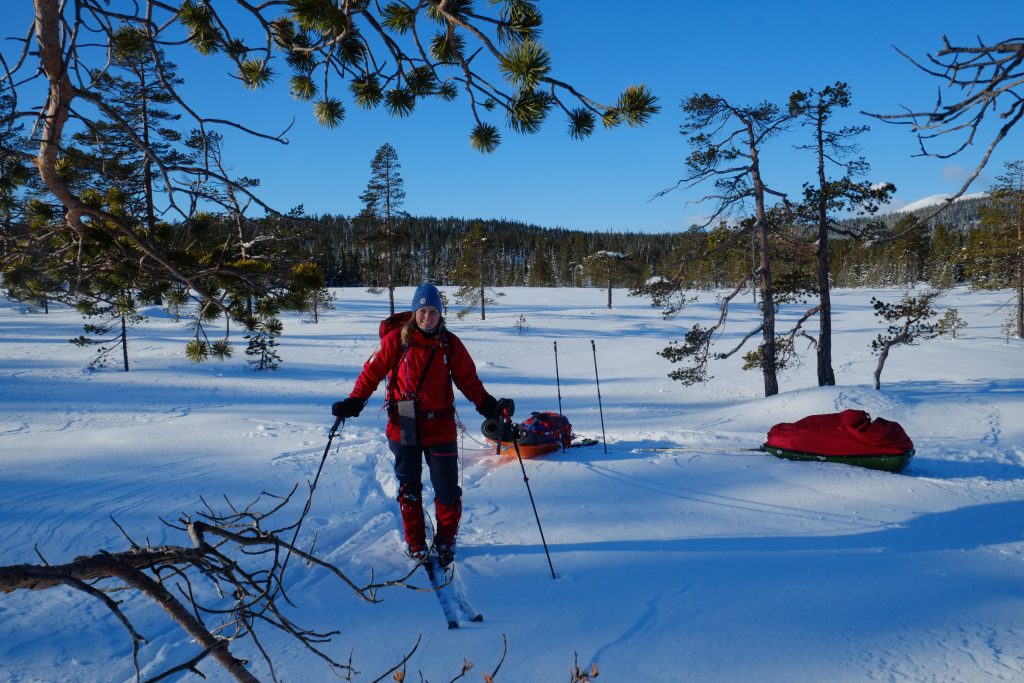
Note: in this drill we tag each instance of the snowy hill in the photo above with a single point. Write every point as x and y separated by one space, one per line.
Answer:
935 200
680 554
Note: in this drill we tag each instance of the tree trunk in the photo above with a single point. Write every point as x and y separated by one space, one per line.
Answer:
147 164
483 294
391 269
826 375
882 355
124 341
147 175
1020 300
902 337
388 236
753 260
58 107
768 369
391 262
771 380
1020 260
54 117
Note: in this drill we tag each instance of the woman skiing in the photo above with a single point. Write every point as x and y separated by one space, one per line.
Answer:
423 359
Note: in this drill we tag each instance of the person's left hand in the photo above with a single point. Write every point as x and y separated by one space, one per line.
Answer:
489 407
505 407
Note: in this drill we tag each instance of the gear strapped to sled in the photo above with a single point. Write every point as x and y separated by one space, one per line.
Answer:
552 427
541 433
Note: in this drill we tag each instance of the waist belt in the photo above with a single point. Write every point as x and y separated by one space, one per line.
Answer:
445 414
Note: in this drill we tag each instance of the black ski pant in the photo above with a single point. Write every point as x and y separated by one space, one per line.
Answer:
443 462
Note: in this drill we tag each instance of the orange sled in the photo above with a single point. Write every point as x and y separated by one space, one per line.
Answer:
508 448
530 443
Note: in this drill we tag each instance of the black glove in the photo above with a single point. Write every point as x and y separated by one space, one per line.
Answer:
506 406
350 407
495 410
488 407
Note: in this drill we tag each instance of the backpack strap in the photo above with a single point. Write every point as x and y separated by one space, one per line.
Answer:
390 382
405 351
423 375
394 372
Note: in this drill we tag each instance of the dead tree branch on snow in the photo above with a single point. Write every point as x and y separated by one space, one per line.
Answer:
229 585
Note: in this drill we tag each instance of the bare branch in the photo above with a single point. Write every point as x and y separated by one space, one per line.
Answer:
988 76
248 592
742 342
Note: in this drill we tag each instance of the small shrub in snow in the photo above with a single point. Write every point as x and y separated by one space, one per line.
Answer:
950 323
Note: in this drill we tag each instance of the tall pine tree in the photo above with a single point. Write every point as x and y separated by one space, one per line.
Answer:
726 142
471 271
832 146
382 211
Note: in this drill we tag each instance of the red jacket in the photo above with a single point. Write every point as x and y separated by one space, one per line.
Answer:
436 399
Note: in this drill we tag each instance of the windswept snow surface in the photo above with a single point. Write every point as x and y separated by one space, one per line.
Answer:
706 563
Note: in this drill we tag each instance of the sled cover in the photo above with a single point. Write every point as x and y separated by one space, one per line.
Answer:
851 432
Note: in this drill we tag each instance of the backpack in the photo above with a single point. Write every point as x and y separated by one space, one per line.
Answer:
551 427
393 322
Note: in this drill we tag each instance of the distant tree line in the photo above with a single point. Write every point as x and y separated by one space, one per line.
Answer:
961 248
942 252
514 253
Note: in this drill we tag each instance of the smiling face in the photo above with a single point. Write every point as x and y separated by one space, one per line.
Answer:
427 318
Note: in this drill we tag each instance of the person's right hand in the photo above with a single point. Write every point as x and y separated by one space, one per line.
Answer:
349 407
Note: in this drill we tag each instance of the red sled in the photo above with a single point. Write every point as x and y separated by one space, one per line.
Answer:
850 437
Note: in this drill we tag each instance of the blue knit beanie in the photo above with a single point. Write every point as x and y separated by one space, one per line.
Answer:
426 295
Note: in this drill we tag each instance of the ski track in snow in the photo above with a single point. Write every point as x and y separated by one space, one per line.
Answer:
127 491
657 610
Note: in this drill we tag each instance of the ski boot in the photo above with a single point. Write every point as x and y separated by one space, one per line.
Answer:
417 554
445 553
448 516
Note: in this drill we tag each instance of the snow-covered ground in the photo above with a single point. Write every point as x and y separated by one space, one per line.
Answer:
705 563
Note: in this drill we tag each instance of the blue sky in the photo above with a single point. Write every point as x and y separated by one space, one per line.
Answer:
745 51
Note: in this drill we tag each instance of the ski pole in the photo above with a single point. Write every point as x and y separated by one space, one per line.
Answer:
312 487
599 406
330 437
558 384
526 479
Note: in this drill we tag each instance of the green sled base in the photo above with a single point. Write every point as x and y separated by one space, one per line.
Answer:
888 462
